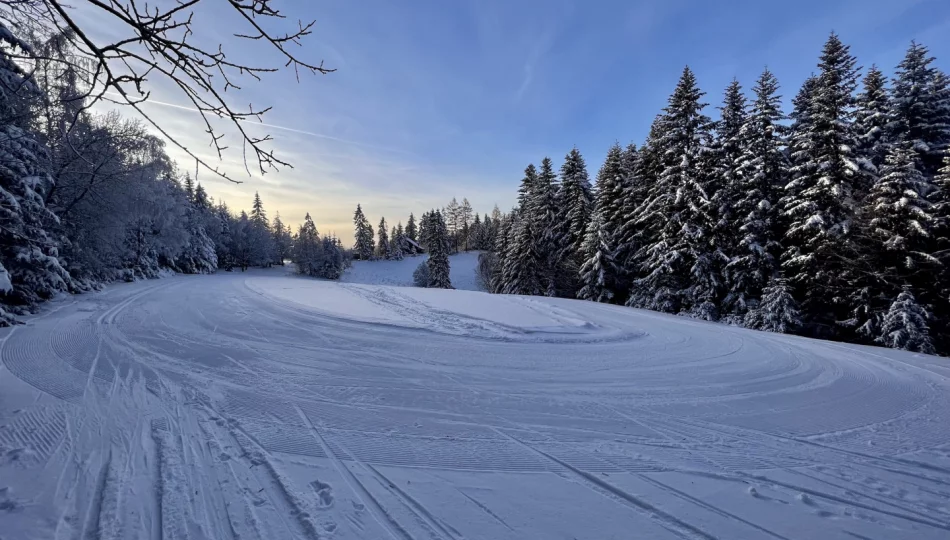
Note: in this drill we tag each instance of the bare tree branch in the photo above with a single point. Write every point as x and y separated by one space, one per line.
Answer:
162 47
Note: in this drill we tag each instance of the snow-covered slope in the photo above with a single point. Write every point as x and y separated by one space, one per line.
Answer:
265 406
399 273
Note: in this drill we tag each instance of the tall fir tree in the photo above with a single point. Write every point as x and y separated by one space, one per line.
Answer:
819 204
412 232
548 229
382 243
438 248
598 271
872 120
576 200
680 261
363 246
921 107
761 174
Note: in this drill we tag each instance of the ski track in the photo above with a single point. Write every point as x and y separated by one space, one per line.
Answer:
210 407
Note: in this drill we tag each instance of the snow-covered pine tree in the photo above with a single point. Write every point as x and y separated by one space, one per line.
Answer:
598 270
500 249
382 243
940 246
189 186
224 242
818 205
549 230
893 251
610 199
680 262
202 200
438 248
523 266
395 247
412 232
282 240
576 202
31 270
872 119
363 246
476 234
905 325
727 147
762 172
920 100
777 311
308 254
334 258
259 235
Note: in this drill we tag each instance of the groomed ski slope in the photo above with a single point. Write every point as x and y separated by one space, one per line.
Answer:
264 406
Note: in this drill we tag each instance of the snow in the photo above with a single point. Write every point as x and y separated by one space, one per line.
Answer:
399 273
266 406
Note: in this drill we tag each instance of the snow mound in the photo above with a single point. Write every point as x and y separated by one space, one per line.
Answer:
457 312
399 273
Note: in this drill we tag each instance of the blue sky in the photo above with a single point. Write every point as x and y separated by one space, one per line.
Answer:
434 99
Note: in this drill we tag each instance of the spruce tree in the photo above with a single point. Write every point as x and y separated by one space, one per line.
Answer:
549 231
727 149
777 311
363 247
438 248
308 249
626 233
31 270
412 232
576 201
382 245
395 248
872 121
760 175
282 240
819 204
597 273
680 261
905 325
921 107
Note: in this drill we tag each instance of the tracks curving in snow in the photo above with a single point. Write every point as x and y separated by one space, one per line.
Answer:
263 406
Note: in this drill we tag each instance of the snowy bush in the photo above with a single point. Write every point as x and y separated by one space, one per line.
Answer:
420 278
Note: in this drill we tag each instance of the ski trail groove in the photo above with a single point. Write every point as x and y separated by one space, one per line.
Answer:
385 520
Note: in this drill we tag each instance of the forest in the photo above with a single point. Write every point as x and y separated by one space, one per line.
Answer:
831 221
89 198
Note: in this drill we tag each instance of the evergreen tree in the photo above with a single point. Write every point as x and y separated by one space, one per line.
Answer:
189 186
819 201
549 232
905 325
921 107
522 264
30 267
395 248
761 173
777 312
871 124
727 150
411 232
597 269
576 201
363 247
438 248
282 240
680 261
940 247
382 245
465 220
308 254
202 201
612 181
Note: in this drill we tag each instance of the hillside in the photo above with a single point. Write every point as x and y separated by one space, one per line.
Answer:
266 406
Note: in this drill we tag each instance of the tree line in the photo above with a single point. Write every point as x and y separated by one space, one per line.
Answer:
832 221
87 198
439 232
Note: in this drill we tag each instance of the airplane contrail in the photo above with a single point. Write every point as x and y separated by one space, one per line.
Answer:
275 126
